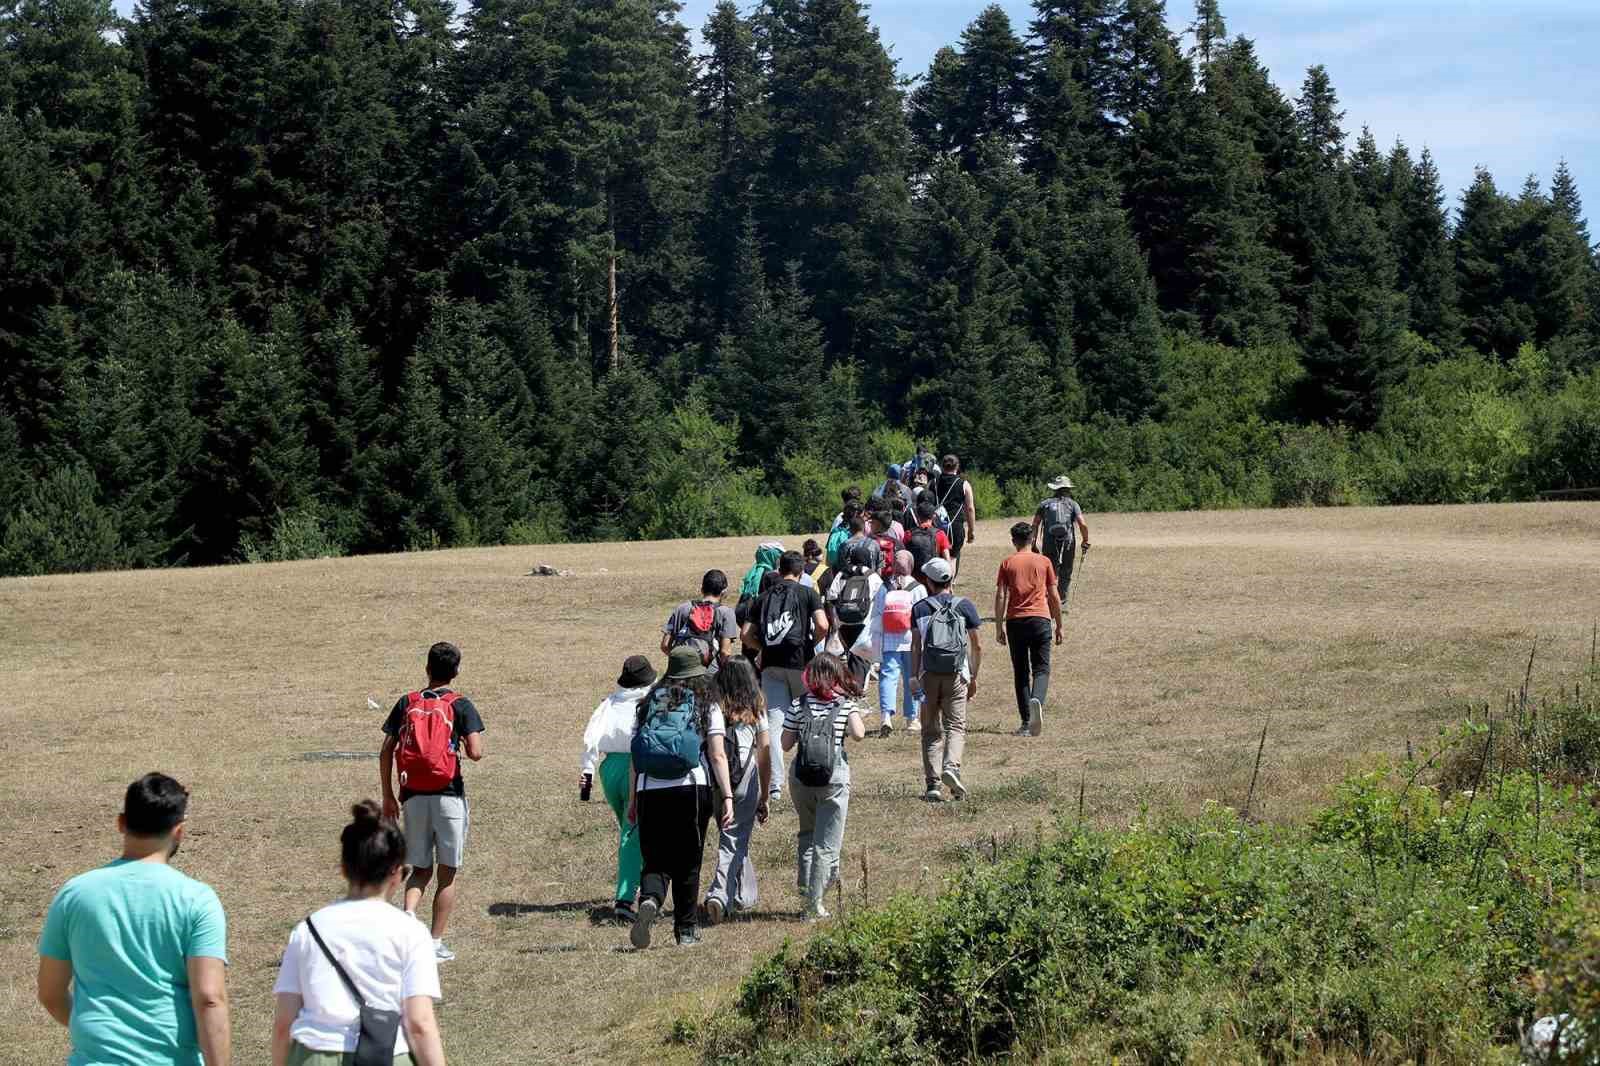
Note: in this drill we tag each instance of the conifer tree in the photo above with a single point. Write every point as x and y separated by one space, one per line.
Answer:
1425 259
1496 320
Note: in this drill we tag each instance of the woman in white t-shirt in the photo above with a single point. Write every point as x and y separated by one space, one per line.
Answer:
385 952
672 809
733 886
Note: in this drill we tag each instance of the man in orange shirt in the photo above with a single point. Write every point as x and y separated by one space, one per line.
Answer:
1025 603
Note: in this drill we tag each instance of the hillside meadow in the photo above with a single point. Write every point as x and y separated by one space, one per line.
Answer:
1347 633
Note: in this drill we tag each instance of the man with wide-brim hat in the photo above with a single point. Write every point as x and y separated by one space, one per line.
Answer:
1061 521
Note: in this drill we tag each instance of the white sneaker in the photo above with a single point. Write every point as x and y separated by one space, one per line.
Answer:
442 953
816 912
953 780
886 728
1035 718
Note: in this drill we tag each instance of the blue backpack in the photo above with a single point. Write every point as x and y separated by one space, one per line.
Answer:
668 742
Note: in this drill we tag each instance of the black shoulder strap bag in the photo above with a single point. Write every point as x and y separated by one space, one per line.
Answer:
379 1028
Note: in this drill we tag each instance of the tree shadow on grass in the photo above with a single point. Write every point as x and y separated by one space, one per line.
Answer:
512 909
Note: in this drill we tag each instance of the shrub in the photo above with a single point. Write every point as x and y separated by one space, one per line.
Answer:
300 533
1313 466
987 498
60 527
546 525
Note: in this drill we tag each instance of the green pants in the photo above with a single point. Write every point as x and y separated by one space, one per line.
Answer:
300 1055
615 770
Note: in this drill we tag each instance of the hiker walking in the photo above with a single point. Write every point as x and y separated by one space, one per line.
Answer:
608 742
889 641
677 754
744 712
1061 520
767 554
952 496
1025 604
849 604
425 736
893 493
704 624
926 541
356 954
784 628
814 730
133 955
946 652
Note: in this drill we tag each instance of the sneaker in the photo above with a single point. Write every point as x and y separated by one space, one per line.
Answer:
774 796
913 725
953 779
442 953
816 912
1021 731
933 795
622 911
715 910
886 728
639 935
1035 718
687 938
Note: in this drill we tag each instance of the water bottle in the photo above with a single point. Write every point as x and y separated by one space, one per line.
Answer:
585 787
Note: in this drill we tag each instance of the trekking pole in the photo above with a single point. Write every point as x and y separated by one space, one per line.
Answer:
1072 589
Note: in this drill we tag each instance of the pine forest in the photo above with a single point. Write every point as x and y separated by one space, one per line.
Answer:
288 278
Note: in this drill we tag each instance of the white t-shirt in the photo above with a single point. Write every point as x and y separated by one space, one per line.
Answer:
700 775
386 952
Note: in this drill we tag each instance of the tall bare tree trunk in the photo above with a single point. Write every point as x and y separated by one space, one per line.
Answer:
613 327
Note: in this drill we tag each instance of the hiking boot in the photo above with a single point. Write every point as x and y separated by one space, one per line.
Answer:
715 911
953 780
687 938
1035 718
442 953
933 795
639 935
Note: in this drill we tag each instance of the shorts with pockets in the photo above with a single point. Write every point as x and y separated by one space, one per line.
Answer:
435 829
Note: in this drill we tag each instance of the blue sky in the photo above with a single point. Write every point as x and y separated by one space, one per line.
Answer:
1508 85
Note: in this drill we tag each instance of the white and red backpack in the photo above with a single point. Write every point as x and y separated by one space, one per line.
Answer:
897 604
426 755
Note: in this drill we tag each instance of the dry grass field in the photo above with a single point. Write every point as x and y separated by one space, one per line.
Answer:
1352 629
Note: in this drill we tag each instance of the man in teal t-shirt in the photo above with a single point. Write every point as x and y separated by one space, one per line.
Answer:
142 948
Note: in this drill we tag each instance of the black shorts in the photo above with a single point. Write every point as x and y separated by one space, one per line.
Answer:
958 537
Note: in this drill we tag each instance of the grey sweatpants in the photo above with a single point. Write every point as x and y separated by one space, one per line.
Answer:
822 810
735 880
779 687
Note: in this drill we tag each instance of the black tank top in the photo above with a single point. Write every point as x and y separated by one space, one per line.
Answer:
948 493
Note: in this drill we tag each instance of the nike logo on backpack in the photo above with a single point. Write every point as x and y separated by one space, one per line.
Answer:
779 627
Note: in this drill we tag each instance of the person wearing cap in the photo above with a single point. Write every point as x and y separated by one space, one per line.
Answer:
672 813
1061 519
606 741
944 695
894 493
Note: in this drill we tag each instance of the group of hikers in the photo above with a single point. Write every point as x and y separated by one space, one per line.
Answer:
132 955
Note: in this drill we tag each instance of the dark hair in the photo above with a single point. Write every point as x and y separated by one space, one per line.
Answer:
925 509
444 662
701 689
1021 533
852 507
851 494
768 579
154 806
739 692
715 583
935 583
829 672
791 564
950 464
856 523
371 846
810 548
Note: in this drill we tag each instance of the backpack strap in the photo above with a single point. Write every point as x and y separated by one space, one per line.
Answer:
355 993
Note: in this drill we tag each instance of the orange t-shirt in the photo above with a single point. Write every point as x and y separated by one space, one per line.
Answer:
1026 576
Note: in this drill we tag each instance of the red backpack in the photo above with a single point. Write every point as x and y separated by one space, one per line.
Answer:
426 754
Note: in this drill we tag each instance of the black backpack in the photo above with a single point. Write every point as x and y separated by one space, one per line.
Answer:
854 604
814 754
736 767
922 545
783 620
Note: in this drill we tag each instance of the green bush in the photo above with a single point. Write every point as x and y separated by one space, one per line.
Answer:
546 525
1404 923
813 494
988 498
60 527
1313 466
297 534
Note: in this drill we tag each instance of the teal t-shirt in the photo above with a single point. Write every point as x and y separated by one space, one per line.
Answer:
129 929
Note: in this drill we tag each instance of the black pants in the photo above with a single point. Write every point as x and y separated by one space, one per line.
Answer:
1028 640
859 667
958 540
672 836
1061 556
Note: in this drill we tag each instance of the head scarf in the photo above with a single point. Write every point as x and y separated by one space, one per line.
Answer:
903 562
766 560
